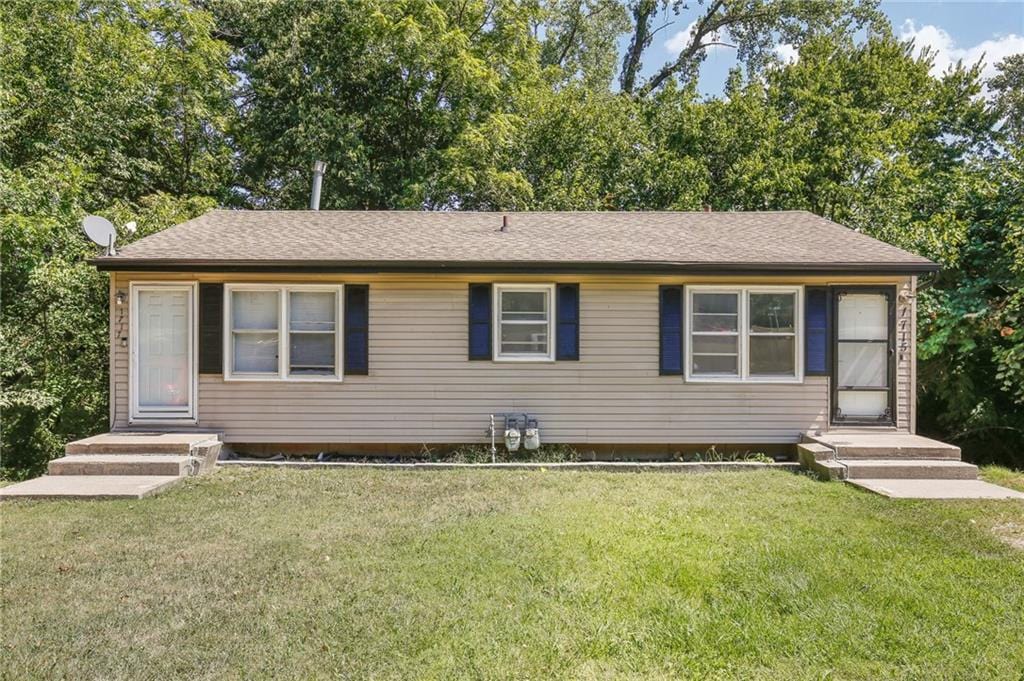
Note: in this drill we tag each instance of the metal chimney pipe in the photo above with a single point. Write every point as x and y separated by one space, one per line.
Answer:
318 179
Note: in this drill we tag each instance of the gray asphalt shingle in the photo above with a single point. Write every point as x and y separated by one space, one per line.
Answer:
759 239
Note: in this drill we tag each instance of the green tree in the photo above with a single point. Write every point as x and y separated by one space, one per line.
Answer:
972 316
117 108
377 88
1008 89
581 40
752 27
857 132
567 149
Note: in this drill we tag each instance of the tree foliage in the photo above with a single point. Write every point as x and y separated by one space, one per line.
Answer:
154 110
752 27
374 87
108 107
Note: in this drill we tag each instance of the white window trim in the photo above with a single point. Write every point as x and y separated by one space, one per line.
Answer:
744 334
496 324
136 415
283 341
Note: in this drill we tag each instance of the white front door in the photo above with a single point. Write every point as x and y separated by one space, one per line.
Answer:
162 351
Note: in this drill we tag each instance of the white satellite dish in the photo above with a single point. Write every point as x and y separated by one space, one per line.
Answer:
101 231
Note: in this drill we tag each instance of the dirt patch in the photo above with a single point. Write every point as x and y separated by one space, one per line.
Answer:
1011 533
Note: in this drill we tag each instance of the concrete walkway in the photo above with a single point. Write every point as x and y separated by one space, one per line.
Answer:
89 487
936 489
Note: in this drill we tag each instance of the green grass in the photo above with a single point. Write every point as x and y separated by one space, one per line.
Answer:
490 574
998 475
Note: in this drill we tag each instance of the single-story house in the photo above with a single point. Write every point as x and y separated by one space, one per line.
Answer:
371 331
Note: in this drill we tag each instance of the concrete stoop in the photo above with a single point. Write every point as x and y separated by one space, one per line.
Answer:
898 465
121 465
884 445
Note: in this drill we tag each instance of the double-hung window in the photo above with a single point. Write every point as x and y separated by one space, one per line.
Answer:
283 332
523 321
744 334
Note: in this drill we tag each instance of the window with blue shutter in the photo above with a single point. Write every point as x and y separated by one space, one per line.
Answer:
567 311
816 331
357 329
480 320
670 316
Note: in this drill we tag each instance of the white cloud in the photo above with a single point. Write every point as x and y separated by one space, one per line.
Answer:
787 53
681 39
947 52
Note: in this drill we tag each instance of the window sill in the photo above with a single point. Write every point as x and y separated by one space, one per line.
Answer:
536 360
148 419
279 379
745 381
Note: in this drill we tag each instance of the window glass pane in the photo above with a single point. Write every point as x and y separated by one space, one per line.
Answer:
524 305
715 344
863 316
312 310
715 322
311 354
715 364
772 356
524 339
254 352
254 310
863 403
772 312
862 364
715 303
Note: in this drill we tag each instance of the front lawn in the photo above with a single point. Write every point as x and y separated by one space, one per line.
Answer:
491 574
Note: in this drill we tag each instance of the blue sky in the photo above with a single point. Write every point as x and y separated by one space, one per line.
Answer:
964 29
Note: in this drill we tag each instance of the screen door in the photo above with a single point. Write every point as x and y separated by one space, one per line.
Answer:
863 371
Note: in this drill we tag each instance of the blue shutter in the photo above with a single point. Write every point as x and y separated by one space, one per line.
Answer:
670 315
567 314
480 321
211 328
816 331
357 329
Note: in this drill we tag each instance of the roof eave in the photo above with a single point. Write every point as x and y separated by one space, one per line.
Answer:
121 264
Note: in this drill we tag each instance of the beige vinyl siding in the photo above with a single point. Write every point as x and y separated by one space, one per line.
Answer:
422 388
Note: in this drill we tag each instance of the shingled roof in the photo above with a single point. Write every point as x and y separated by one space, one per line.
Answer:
343 241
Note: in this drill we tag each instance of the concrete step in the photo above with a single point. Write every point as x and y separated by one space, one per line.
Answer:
908 469
181 444
123 464
89 487
873 445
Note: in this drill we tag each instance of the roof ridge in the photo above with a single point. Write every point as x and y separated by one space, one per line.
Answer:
412 211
